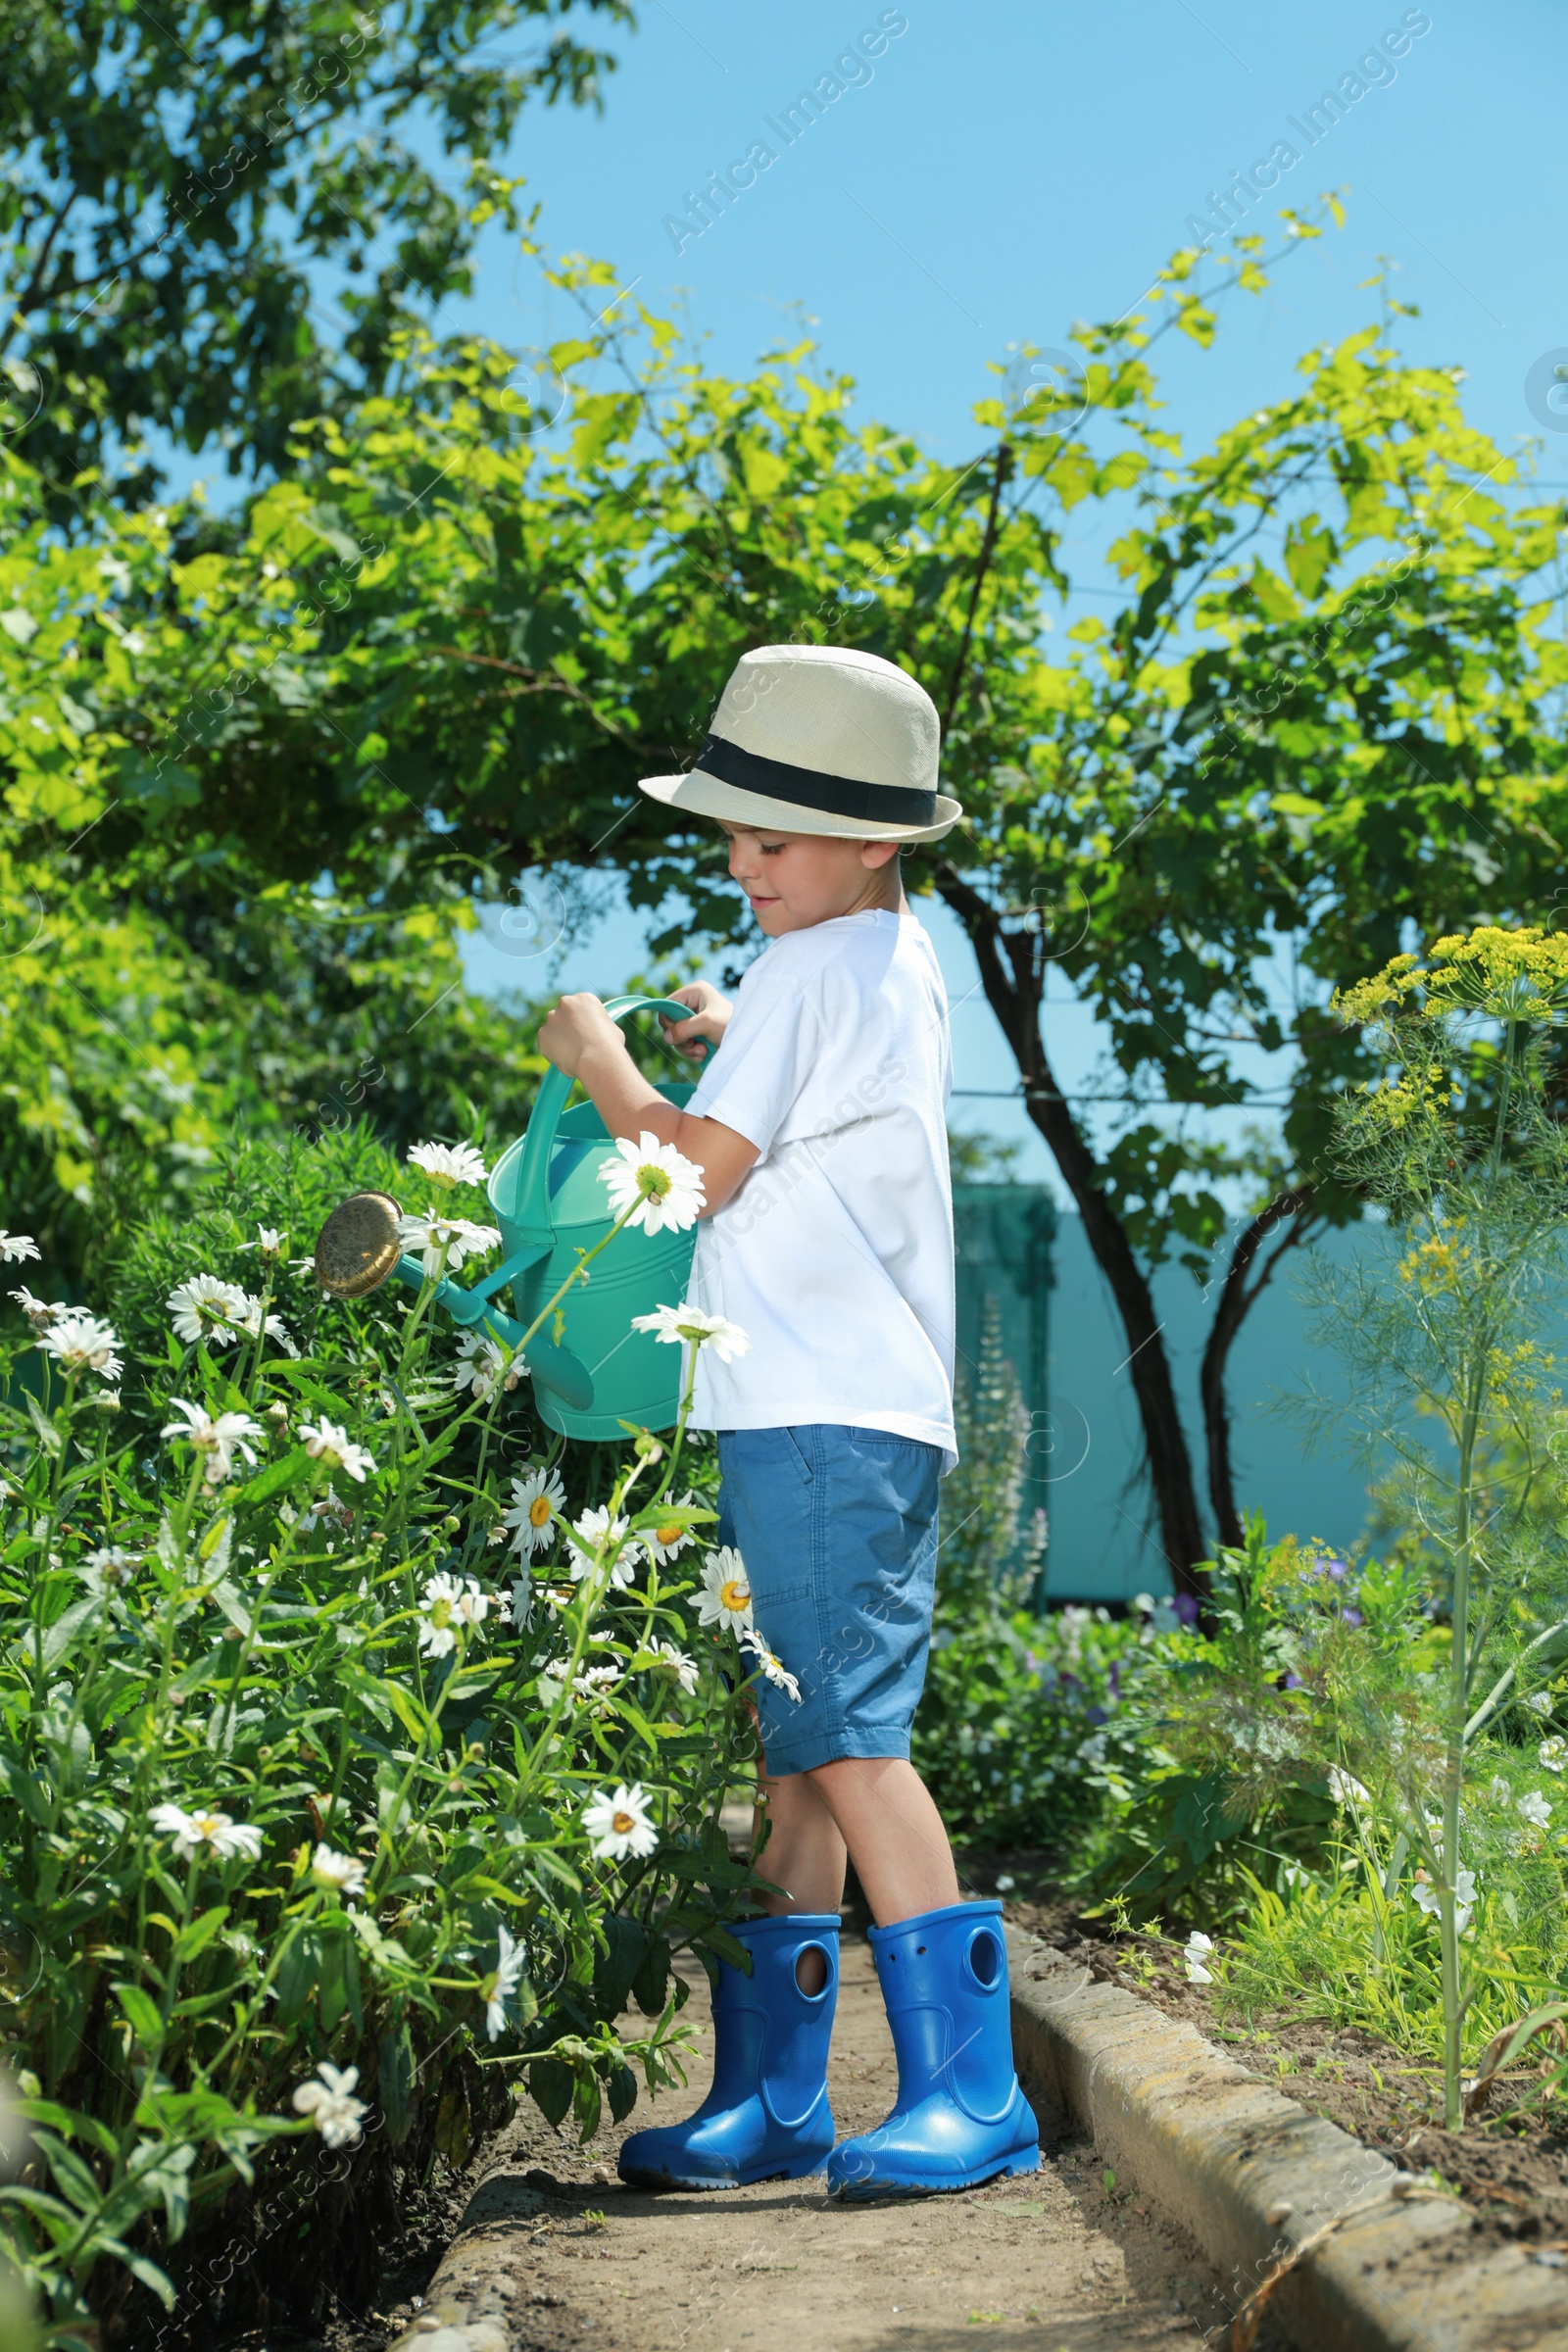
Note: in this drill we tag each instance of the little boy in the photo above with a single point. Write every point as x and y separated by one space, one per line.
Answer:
819 1126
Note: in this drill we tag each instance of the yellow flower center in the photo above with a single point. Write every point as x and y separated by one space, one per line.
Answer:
667 1534
205 1823
653 1182
539 1510
734 1597
623 1824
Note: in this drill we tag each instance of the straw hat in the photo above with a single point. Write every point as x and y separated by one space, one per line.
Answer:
818 739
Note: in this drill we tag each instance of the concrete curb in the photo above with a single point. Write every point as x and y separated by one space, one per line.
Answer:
1250 2175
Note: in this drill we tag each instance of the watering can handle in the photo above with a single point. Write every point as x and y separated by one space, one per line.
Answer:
532 1211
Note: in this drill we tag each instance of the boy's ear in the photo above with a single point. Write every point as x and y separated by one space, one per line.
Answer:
876 854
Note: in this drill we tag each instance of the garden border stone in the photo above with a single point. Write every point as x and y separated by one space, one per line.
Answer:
1250 2175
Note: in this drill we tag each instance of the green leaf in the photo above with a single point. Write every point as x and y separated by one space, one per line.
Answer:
649 1985
276 1476
586 2104
141 2013
622 2093
549 2084
395 2075
199 1933
616 1969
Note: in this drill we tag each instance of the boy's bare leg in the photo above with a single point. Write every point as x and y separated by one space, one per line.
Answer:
894 1833
878 1809
804 1854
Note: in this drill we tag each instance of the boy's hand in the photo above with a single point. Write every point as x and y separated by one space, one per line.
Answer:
711 1011
578 1030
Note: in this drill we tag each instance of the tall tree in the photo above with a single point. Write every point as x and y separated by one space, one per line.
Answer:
1321 712
184 185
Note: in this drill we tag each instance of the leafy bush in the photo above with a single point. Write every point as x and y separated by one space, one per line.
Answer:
359 1756
1011 1695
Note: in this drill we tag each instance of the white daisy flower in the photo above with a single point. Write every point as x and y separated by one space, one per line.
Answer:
1536 1808
1343 1786
512 1964
269 1243
16 1248
1498 1790
445 1241
1554 1753
205 1308
447 1164
669 1538
620 1824
330 2106
484 1362
1427 1899
665 1656
1542 1701
40 1312
659 1185
450 1603
772 1664
339 1874
595 1682
535 1501
108 1569
517 1607
688 1326
276 1328
83 1344
212 1834
726 1595
219 1439
325 1442
1196 1954
595 1532
107 1401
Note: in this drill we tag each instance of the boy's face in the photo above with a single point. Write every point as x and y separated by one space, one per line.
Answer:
794 880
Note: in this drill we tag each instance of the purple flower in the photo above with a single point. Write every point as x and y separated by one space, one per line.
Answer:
1337 1569
1294 1682
1114 1680
1349 1617
1031 1662
1186 1608
1095 1715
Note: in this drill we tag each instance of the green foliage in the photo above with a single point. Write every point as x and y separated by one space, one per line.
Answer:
1010 1697
176 179
326 1814
456 605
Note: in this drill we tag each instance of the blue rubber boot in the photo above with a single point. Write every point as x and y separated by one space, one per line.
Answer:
766 2117
960 2116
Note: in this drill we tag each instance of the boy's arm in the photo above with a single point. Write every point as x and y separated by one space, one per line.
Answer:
580 1037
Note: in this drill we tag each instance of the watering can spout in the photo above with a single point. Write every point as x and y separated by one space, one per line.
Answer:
360 1247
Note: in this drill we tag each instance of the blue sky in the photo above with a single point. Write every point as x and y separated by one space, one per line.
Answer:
1003 172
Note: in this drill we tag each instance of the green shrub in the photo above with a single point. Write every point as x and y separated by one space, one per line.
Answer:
337 1800
1011 1694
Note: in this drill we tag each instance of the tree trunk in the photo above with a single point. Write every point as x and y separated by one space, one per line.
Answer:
1013 988
1236 1299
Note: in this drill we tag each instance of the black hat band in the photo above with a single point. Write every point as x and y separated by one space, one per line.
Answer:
808 788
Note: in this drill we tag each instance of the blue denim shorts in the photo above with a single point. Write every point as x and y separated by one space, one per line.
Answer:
838 1529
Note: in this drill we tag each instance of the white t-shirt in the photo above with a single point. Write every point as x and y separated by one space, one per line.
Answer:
835 1254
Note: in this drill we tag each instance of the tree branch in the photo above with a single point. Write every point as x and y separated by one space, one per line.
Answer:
1236 1299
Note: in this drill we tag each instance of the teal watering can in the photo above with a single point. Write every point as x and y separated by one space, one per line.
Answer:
550 1204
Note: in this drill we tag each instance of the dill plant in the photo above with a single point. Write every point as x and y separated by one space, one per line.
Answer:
1442 1326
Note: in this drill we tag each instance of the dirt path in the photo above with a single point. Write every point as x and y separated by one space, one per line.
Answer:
1055 2263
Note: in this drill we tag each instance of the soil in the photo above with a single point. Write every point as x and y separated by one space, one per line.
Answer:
1066 2261
1510 2165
